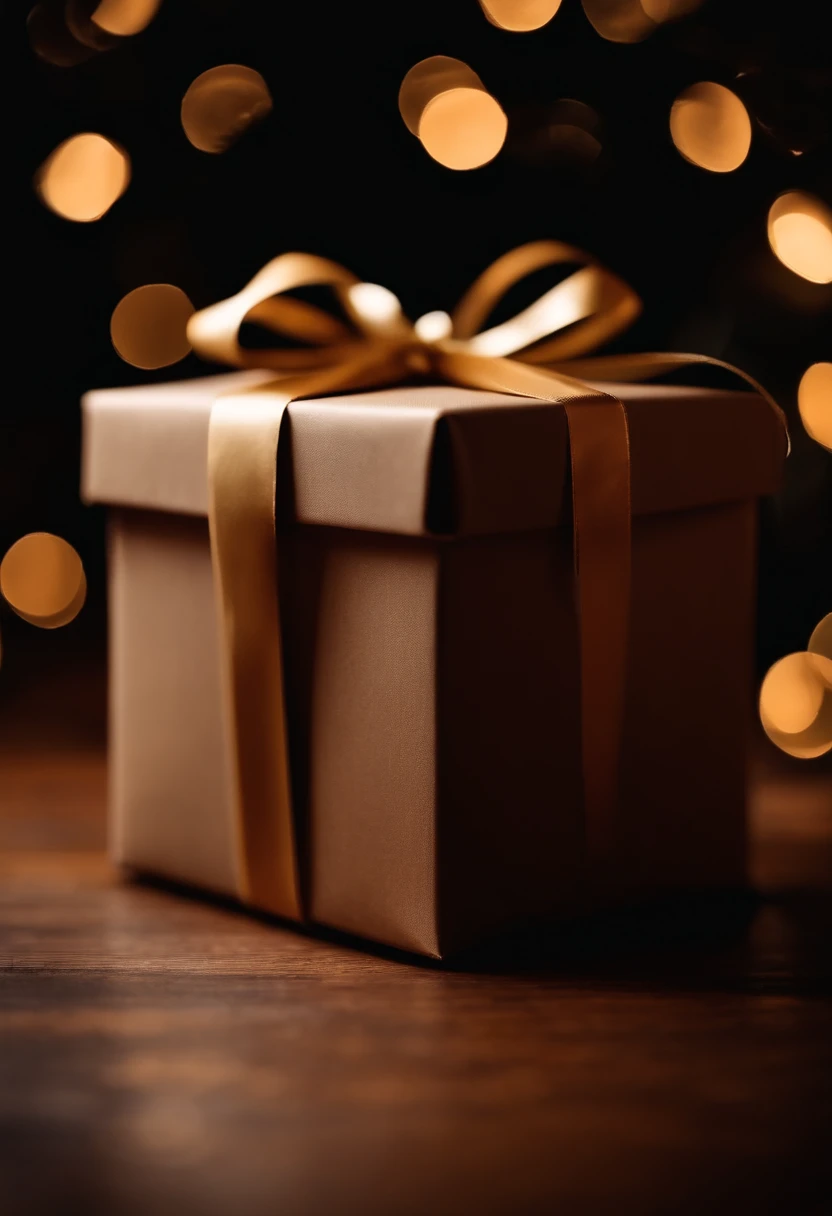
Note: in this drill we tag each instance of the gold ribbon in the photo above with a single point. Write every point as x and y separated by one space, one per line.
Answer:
538 353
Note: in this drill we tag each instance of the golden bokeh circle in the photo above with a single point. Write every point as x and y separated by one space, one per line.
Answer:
619 20
796 706
42 579
125 17
710 127
77 16
814 399
221 104
51 40
148 326
800 235
573 134
662 11
463 128
820 648
426 80
520 16
83 177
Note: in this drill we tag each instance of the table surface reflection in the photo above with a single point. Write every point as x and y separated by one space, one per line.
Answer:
161 1054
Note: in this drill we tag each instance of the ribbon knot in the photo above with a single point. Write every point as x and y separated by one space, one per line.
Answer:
543 352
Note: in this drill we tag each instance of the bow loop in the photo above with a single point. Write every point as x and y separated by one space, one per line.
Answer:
577 315
214 332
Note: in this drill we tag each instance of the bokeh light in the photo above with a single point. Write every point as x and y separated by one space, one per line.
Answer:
572 134
221 104
78 15
796 707
619 20
820 648
463 128
662 11
710 127
51 40
83 177
148 326
566 134
814 399
800 235
791 695
426 80
42 579
125 17
520 16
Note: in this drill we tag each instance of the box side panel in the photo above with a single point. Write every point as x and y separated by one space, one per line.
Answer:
510 819
170 802
359 613
510 834
689 699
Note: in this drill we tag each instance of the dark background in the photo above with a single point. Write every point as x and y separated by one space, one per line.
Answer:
333 170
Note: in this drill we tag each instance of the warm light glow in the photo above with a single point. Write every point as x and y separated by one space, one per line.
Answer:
42 579
619 20
221 104
463 128
820 649
572 134
125 17
565 133
814 399
800 234
791 695
572 147
662 11
50 39
520 15
426 80
83 177
796 707
148 326
710 127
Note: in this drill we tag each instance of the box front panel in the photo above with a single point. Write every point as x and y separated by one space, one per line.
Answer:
359 614
170 781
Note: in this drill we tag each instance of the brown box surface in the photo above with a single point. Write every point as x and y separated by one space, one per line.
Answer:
430 643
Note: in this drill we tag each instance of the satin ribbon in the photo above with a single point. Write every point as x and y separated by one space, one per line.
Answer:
539 353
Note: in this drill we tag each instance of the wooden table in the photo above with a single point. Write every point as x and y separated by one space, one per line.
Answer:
162 1055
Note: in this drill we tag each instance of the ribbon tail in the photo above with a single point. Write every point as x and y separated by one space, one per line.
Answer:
600 457
242 468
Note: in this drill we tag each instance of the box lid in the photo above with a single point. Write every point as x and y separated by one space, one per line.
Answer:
421 460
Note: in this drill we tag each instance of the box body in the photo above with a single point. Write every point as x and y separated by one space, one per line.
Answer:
431 650
434 705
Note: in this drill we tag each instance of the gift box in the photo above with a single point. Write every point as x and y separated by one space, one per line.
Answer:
431 656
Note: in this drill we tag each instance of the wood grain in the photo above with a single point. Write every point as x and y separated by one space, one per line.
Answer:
163 1055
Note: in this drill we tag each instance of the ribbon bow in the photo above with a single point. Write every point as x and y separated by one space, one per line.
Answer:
538 353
